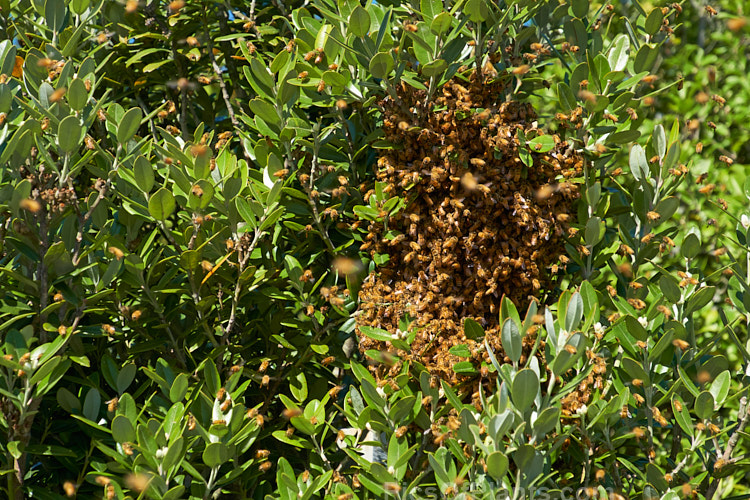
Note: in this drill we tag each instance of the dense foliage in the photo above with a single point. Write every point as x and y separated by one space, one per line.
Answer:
343 249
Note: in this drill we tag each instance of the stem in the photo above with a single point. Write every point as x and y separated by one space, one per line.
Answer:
242 261
82 221
226 49
218 72
157 307
182 89
210 483
742 421
313 205
42 274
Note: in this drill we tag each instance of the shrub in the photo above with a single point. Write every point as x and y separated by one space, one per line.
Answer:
222 277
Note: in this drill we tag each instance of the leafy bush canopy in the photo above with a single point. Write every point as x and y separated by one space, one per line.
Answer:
332 249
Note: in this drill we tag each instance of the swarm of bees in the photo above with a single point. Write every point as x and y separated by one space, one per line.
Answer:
479 223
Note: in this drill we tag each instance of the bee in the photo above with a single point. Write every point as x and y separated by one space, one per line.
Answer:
653 216
57 95
226 405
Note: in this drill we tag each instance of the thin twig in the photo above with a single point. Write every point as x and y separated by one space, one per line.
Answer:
226 49
41 270
742 421
182 89
311 187
82 221
218 73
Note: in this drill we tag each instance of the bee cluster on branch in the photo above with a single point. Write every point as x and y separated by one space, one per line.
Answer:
478 224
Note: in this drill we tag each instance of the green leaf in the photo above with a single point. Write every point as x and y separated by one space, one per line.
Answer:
381 65
691 245
298 386
430 9
16 449
77 94
125 377
704 405
215 454
667 207
265 110
79 6
699 299
54 14
359 22
682 415
201 194
123 430
618 55
476 10
128 125
161 204
179 388
376 333
580 8
542 144
91 405
566 97
653 21
564 359
460 350
594 231
546 421
511 340
720 387
176 492
524 389
659 140
434 68
67 400
574 312
155 65
497 465
464 367
211 375
624 137
441 24
335 79
634 370
69 134
472 329
50 450
638 162
644 61
670 289
144 174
